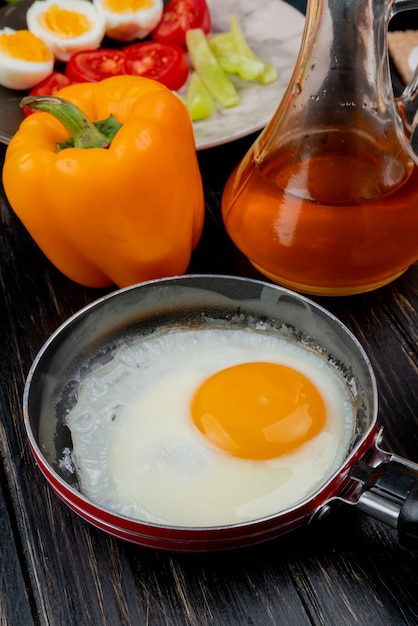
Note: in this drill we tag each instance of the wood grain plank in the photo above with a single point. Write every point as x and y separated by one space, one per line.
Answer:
15 607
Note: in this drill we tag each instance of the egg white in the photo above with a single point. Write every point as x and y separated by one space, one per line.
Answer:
137 451
19 73
64 47
130 25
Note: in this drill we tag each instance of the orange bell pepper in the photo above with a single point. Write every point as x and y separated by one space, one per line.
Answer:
126 211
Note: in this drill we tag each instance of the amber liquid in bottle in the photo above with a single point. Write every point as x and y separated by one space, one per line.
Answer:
330 224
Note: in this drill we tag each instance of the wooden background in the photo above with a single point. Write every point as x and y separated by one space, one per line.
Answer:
55 569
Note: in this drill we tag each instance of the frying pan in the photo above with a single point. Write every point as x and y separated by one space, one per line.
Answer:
377 482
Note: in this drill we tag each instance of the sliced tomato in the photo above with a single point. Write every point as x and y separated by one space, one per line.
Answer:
178 17
162 62
48 87
90 66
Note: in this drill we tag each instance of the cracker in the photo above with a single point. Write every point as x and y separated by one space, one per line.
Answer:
401 43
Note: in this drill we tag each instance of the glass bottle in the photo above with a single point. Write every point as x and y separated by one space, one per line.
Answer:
326 199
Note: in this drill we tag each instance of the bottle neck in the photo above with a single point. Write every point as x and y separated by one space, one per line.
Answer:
342 73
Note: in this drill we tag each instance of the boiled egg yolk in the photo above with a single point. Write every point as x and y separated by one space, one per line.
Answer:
66 26
258 410
25 46
24 59
127 20
64 23
127 6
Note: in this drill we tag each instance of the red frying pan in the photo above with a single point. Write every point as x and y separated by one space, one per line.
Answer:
377 482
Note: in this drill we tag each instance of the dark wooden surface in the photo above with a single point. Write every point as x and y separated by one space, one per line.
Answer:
55 569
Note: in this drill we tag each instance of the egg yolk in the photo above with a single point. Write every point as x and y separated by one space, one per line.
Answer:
127 6
64 23
258 410
25 46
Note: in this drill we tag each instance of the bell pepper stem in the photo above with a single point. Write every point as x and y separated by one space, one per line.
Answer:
84 133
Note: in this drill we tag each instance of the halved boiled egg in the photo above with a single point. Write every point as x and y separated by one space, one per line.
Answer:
66 26
127 20
24 59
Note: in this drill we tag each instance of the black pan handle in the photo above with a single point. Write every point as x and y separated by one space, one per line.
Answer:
389 492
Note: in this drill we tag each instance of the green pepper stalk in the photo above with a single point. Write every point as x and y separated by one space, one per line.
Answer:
84 133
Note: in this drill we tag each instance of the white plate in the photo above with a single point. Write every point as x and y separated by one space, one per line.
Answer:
273 29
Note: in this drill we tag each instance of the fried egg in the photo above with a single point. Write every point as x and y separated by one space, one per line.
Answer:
66 26
209 427
127 20
24 59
